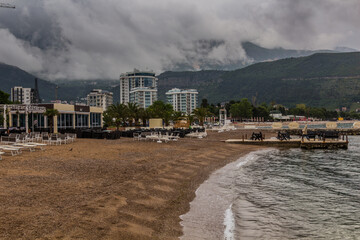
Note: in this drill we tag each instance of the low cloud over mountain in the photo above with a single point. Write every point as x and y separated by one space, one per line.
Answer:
100 39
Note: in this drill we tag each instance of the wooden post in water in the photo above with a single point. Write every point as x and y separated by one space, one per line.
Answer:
243 137
347 140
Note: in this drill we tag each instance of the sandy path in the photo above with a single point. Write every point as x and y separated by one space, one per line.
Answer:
107 189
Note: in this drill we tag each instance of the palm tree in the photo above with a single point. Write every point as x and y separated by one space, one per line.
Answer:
119 113
190 118
144 115
133 110
108 119
176 115
162 110
51 113
201 114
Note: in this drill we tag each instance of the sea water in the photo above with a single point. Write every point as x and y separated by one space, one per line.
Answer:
280 194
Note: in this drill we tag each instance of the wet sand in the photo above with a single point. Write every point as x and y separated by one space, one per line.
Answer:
108 189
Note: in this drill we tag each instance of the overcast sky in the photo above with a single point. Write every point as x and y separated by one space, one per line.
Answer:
92 39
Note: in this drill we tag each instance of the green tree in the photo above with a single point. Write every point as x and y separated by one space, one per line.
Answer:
214 110
261 112
204 103
133 112
245 108
176 115
235 110
190 118
354 115
119 113
297 111
51 113
162 110
319 113
144 115
229 104
201 114
108 119
301 106
4 98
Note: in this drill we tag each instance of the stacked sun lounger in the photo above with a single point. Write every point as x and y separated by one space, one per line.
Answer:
156 136
15 144
171 132
197 134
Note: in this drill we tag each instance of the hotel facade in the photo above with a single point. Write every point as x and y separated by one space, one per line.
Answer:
22 95
183 100
138 87
31 117
100 98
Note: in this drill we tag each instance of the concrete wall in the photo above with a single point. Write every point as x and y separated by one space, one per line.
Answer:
156 123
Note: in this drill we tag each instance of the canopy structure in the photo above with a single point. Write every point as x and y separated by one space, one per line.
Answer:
9 109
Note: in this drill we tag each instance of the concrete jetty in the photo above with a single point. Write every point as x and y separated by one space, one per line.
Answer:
294 143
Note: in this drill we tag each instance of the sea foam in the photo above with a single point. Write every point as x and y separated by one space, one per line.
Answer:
229 222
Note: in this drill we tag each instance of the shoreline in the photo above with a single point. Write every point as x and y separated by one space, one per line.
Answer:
197 212
108 189
216 193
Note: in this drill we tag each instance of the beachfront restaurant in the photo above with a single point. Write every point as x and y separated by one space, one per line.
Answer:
31 117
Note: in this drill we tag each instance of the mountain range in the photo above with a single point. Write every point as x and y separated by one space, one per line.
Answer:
11 76
201 56
326 79
322 79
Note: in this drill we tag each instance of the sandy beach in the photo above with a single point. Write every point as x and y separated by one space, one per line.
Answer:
108 189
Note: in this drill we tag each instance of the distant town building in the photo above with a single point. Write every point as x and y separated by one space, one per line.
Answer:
22 95
139 87
275 114
100 98
344 109
143 96
183 100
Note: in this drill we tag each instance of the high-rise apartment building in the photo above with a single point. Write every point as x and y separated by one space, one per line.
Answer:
22 95
143 97
139 87
100 98
183 100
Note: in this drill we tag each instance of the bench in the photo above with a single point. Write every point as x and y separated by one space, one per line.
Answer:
283 136
329 135
257 136
310 135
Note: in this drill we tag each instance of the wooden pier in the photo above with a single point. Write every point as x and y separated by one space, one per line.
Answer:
294 143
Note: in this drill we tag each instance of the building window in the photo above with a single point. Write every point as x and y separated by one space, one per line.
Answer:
95 119
81 120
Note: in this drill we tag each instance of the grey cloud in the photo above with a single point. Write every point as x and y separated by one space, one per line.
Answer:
101 39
